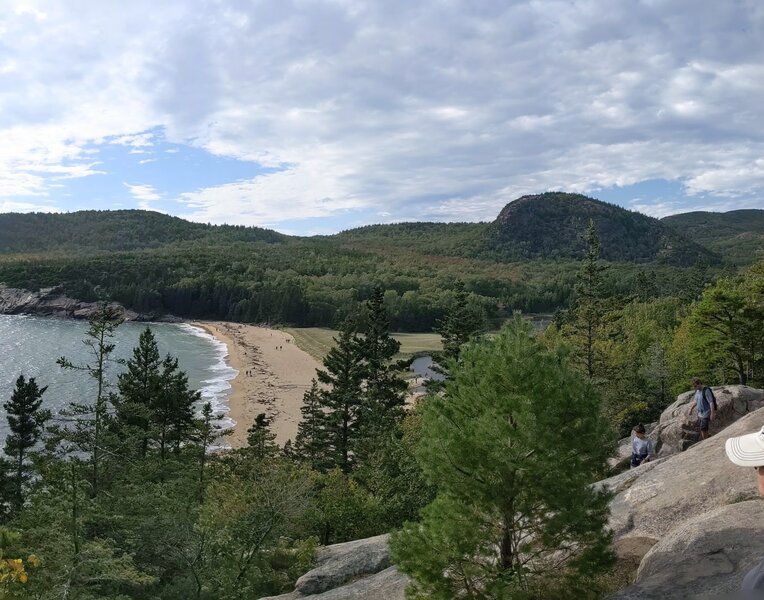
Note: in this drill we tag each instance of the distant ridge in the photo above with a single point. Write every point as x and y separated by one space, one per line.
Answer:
551 225
113 230
738 234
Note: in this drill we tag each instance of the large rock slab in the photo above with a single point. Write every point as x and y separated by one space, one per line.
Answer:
389 584
340 563
357 569
654 498
706 557
677 428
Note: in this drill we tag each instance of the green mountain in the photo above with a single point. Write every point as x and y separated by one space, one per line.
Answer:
737 235
525 260
113 230
551 225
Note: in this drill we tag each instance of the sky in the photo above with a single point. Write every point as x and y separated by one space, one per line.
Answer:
311 117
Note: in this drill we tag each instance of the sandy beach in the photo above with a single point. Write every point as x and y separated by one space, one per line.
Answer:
273 376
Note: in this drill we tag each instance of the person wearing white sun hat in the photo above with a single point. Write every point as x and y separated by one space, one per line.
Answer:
748 451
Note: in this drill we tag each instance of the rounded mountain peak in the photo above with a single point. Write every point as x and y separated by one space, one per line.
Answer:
551 225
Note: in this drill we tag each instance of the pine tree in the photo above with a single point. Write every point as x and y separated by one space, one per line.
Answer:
26 420
513 447
341 398
139 388
173 408
260 438
310 443
383 398
88 433
458 326
589 304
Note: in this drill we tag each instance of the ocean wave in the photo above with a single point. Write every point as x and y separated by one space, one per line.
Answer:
216 389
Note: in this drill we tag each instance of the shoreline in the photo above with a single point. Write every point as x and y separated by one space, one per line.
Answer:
273 373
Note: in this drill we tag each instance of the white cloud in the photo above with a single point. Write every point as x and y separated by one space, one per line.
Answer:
426 109
145 194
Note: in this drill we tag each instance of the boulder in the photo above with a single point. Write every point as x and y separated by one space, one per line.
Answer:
706 557
340 563
389 584
357 569
677 428
654 498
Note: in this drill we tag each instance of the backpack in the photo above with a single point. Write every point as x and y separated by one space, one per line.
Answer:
713 398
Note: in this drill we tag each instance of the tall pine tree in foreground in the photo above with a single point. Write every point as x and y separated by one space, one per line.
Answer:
309 444
90 419
383 399
341 399
589 308
139 386
513 447
26 420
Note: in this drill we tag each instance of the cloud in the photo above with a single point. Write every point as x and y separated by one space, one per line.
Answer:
427 109
145 194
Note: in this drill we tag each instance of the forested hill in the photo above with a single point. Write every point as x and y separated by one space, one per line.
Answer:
738 235
113 230
526 260
550 225
543 226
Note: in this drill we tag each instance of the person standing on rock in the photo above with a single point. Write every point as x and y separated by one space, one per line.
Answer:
705 402
641 447
748 451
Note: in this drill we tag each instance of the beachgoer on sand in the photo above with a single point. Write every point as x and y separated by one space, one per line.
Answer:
748 451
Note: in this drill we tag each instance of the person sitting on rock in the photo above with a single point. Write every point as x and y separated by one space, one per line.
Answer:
748 451
641 447
706 405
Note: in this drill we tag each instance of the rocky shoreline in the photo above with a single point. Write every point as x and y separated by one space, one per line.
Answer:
50 302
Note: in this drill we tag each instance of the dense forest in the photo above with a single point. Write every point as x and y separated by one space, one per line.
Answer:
526 260
121 497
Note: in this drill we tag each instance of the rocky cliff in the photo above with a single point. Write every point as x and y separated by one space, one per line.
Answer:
48 302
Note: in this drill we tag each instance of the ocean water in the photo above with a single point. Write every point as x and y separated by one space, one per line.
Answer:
31 345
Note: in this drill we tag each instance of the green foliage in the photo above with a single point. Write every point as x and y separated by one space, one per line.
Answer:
156 265
551 225
513 447
737 235
26 420
726 326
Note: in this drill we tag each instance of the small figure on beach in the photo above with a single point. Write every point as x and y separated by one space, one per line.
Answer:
641 448
705 402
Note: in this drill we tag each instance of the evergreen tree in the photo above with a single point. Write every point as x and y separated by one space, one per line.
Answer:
384 393
139 387
173 408
589 306
513 448
310 443
341 399
456 328
88 433
26 420
260 438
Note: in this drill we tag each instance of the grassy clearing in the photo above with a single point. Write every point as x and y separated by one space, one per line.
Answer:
317 341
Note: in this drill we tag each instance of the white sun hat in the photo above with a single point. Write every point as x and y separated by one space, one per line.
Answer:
747 450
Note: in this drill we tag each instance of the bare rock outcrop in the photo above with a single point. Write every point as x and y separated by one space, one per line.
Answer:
706 557
677 428
48 302
357 569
